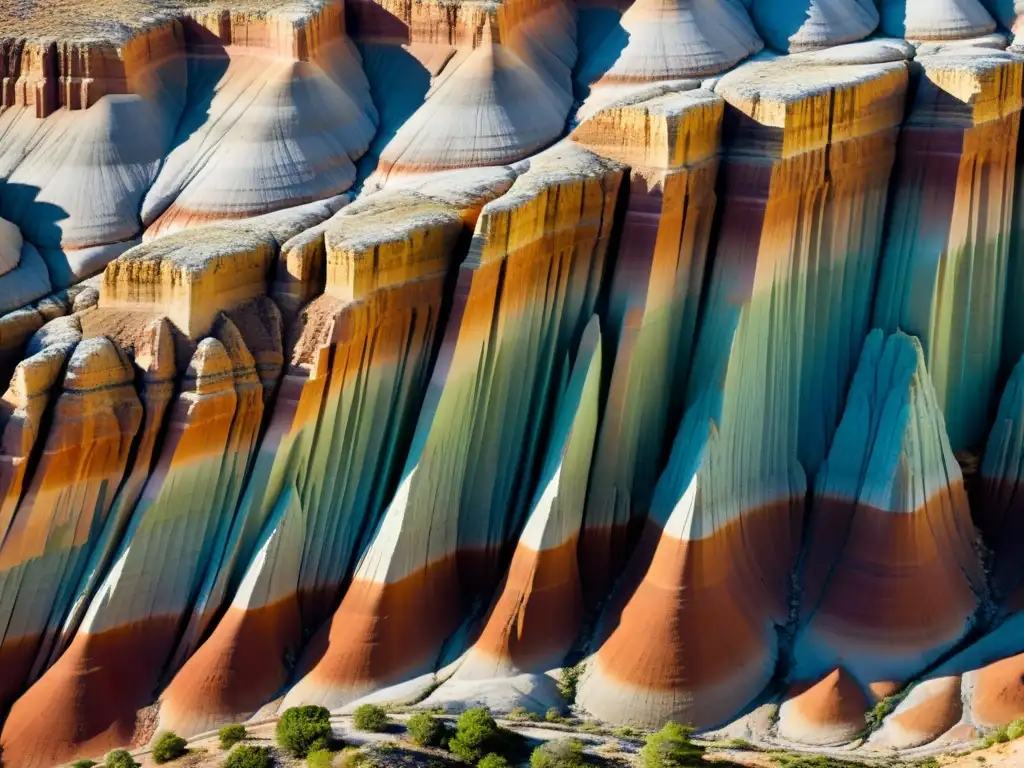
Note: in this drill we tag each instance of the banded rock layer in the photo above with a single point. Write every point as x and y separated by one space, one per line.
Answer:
411 352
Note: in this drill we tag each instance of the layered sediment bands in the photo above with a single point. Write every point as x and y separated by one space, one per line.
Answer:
830 711
924 20
74 182
23 274
999 501
521 301
671 143
58 520
496 98
892 579
152 350
21 416
663 40
278 111
930 709
690 634
190 278
171 539
944 283
536 615
340 426
812 24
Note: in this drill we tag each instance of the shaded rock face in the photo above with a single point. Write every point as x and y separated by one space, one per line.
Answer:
411 352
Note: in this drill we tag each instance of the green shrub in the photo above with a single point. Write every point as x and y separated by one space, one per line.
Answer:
476 734
426 730
352 757
553 715
492 761
248 756
627 733
370 717
83 764
563 753
568 682
230 735
791 760
168 746
320 758
302 730
1015 729
671 747
522 713
119 758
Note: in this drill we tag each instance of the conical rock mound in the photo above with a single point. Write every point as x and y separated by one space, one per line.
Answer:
672 40
804 25
488 107
935 19
891 576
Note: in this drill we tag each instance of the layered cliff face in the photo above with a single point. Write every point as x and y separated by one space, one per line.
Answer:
427 348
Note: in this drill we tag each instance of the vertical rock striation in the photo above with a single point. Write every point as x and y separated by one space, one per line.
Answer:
891 579
332 447
537 613
63 509
522 298
944 269
691 633
671 143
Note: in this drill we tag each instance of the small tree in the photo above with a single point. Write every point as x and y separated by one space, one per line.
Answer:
563 753
120 758
370 717
553 715
492 761
476 734
426 730
230 735
671 747
304 729
168 746
247 756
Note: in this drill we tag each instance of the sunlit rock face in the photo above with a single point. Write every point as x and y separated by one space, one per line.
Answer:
368 350
891 579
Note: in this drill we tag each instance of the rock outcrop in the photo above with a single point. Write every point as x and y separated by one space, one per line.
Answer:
426 353
691 634
891 579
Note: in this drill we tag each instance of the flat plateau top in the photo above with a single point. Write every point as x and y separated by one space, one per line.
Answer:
115 21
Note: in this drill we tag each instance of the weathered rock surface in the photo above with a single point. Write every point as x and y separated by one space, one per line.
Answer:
428 348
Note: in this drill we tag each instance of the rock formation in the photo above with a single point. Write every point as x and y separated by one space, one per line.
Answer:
366 350
891 578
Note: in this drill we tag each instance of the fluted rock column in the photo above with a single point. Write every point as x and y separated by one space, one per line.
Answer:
340 425
114 663
153 354
536 614
944 269
690 634
892 578
64 508
671 143
523 296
